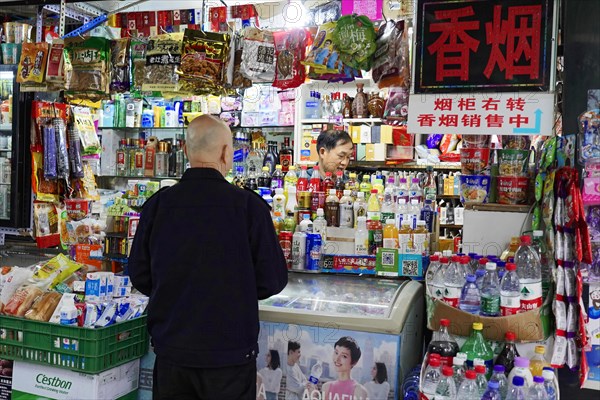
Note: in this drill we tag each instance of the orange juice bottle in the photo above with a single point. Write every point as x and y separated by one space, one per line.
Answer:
390 235
421 238
405 237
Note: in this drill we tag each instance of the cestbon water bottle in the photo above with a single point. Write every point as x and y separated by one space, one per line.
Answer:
492 392
453 282
537 391
468 387
470 296
516 391
549 384
432 377
446 389
490 292
500 377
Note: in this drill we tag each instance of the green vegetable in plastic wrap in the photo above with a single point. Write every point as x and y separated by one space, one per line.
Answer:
549 153
354 37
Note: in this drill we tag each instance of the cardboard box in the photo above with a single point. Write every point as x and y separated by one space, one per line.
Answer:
387 134
32 381
376 151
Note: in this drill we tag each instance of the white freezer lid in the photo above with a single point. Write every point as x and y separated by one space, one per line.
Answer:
349 302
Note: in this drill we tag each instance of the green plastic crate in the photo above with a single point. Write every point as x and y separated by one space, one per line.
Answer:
70 347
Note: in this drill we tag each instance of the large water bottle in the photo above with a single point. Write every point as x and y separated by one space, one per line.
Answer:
470 296
537 391
432 377
468 387
546 263
492 392
490 292
549 384
453 282
530 275
480 379
437 283
434 266
446 389
516 391
315 372
500 378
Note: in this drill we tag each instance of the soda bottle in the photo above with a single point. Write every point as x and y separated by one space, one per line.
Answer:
320 224
431 378
521 369
375 229
302 183
339 184
538 361
446 389
516 391
332 209
492 392
365 186
537 391
499 377
453 282
315 372
477 347
361 237
468 387
490 292
390 235
541 249
443 343
276 179
314 184
437 283
264 179
352 185
415 192
359 207
549 384
328 183
373 206
509 352
458 368
530 275
470 296
480 380
346 210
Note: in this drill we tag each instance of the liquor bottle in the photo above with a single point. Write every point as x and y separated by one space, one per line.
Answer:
150 156
179 158
131 147
340 186
139 155
347 109
122 158
430 186
360 103
286 155
173 160
270 159
162 160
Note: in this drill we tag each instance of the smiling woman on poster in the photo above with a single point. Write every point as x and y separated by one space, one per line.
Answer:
346 354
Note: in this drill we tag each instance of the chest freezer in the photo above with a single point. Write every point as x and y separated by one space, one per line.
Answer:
353 337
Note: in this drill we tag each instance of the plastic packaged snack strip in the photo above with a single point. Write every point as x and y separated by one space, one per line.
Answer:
50 153
62 154
137 53
119 74
55 69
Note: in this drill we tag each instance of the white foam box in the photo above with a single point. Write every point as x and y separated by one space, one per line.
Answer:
35 381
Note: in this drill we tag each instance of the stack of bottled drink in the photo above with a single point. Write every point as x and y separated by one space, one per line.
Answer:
474 373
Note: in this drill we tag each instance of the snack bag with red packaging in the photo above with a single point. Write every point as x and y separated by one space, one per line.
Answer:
290 50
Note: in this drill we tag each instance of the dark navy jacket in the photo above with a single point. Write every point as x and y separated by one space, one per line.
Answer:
205 252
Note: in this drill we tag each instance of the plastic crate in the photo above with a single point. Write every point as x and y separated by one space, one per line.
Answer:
70 347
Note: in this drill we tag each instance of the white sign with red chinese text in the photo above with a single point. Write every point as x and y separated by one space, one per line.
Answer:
501 113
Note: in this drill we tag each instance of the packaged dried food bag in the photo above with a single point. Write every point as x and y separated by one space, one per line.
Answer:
354 39
163 56
55 68
86 67
239 81
391 60
328 12
119 57
258 56
86 130
323 57
32 65
137 52
204 61
516 142
44 189
290 49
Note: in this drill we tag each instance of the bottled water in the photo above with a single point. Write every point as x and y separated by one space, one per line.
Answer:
315 372
537 391
470 296
480 380
402 192
516 391
453 282
415 192
479 274
549 384
458 368
437 283
500 378
546 263
432 377
510 295
465 263
492 392
490 292
530 275
468 387
401 212
388 206
434 266
446 389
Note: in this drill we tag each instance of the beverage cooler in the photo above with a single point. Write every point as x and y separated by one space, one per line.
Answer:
15 160
329 317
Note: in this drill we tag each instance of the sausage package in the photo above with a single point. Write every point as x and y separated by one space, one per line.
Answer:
290 48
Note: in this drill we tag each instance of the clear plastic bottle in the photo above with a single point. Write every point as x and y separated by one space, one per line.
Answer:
434 265
390 235
388 206
537 391
328 182
490 292
479 274
359 207
453 282
549 384
315 372
530 275
332 209
401 212
538 361
320 224
430 186
402 191
470 296
517 390
302 183
458 368
521 369
346 210
264 179
446 389
465 263
373 206
365 186
492 392
510 296
508 353
468 387
443 344
361 237
480 380
292 204
352 185
431 378
290 179
477 347
437 283
415 192
499 377
539 244
276 179
414 211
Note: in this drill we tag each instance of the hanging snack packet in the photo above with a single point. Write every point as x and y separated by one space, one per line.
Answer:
258 56
323 57
204 61
354 38
239 81
119 56
32 66
86 130
163 56
390 61
55 68
62 154
86 67
290 48
137 51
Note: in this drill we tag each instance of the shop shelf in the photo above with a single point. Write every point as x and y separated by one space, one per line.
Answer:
519 208
451 226
448 196
5 149
410 165
345 120
158 178
71 347
139 128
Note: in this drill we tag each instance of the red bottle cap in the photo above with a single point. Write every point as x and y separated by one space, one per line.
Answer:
434 362
480 369
510 335
447 371
434 258
434 355
303 167
525 239
373 190
483 261
511 267
470 374
327 173
465 259
444 322
444 260
455 258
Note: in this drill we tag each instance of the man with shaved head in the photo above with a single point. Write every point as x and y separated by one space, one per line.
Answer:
205 251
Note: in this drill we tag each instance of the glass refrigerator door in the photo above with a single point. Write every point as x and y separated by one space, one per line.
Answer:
7 82
337 295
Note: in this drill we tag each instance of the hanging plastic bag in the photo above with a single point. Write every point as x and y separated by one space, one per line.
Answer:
290 48
354 38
